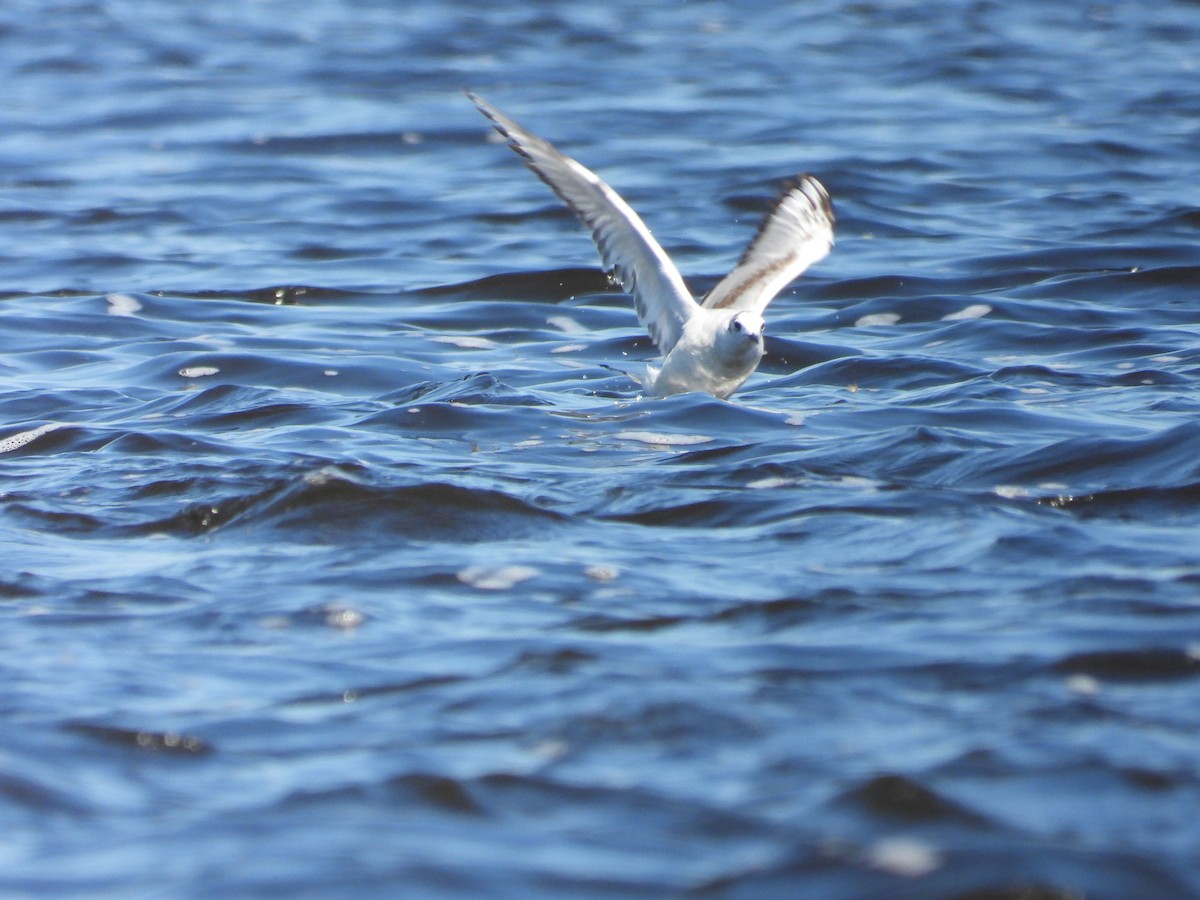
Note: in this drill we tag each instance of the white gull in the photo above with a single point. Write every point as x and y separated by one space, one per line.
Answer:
716 344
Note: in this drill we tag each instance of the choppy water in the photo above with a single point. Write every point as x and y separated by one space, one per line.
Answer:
337 563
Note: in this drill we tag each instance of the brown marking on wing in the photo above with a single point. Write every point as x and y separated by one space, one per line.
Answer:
765 272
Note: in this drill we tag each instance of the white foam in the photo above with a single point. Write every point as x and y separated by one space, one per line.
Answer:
122 305
662 439
467 342
974 311
904 856
501 578
566 324
877 319
16 441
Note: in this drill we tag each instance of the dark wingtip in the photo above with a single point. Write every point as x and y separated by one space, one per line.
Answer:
480 104
804 180
472 96
813 191
487 110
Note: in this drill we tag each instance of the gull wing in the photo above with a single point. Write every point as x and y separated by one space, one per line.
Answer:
793 236
626 246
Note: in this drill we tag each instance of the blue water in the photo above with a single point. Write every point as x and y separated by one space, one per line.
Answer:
337 562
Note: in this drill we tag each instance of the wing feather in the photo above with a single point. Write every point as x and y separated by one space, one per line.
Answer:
795 234
627 248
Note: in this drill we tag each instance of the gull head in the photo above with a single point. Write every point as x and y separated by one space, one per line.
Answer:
745 326
739 339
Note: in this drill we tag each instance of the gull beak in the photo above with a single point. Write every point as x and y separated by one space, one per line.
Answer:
748 326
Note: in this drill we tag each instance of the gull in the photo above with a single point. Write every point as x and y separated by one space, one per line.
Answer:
713 345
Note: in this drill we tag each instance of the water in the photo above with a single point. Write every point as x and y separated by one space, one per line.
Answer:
337 562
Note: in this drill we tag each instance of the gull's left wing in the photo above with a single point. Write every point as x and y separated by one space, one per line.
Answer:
793 236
